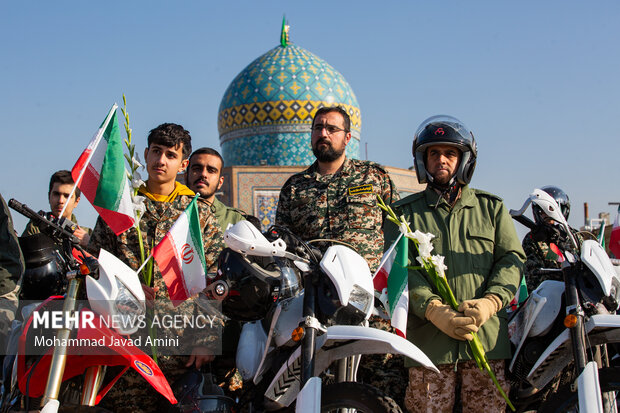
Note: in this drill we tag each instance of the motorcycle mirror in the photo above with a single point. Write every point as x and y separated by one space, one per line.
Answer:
245 238
517 213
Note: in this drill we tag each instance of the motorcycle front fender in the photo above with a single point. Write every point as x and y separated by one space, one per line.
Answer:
337 343
589 390
366 340
309 398
600 329
79 360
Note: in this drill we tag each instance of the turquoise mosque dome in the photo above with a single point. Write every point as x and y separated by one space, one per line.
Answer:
266 113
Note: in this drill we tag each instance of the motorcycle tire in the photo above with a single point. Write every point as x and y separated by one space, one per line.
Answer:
359 396
566 400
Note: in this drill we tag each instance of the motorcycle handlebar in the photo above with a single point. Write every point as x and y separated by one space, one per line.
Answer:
63 227
524 221
546 271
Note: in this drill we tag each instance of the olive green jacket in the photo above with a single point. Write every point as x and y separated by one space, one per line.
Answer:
224 214
483 256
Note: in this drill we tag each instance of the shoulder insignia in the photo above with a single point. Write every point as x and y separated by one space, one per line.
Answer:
369 165
409 199
362 189
485 194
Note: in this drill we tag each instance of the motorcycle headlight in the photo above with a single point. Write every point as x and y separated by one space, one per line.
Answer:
128 308
357 309
361 299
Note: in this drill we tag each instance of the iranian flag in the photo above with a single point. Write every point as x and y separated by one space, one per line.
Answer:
181 257
391 280
101 175
519 297
614 239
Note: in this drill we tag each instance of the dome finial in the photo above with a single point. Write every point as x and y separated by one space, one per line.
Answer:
284 33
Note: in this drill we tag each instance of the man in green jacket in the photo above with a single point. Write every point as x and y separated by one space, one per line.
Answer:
204 176
475 234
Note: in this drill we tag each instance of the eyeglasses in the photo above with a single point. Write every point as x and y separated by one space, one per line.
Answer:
331 129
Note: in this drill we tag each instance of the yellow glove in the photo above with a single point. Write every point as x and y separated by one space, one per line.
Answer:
481 309
450 322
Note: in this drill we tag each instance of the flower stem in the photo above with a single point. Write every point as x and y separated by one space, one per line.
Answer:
131 148
147 273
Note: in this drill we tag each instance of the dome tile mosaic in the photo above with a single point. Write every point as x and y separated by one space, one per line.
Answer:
266 112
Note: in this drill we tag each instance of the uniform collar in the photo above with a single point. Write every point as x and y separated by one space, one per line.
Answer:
313 171
467 198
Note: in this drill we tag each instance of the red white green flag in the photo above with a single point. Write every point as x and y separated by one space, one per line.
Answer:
519 297
391 280
614 239
181 257
101 175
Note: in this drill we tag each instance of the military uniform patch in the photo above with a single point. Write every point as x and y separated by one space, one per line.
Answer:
362 189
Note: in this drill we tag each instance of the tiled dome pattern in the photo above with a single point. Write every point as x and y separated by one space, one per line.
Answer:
266 112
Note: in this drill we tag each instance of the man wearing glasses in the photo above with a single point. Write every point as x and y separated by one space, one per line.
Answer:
336 197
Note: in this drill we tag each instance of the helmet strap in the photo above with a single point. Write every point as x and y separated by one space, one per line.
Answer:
449 191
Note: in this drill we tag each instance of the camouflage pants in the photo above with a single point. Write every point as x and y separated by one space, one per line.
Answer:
431 392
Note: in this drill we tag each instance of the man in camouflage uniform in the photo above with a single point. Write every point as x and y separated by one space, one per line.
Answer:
537 243
11 270
336 198
169 146
475 234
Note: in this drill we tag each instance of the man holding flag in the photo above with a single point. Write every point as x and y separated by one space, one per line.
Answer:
166 202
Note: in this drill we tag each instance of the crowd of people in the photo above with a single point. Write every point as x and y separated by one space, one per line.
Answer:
335 198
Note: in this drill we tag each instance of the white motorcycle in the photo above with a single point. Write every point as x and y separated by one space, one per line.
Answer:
302 312
563 355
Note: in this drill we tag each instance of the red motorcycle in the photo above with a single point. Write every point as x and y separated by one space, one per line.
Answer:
63 349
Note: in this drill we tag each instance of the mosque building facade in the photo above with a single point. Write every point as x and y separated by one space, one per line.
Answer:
264 123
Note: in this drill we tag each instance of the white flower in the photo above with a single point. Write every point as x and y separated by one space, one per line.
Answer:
136 162
138 207
421 237
424 242
137 183
440 267
403 228
425 249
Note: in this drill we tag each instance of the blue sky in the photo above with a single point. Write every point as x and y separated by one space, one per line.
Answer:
537 82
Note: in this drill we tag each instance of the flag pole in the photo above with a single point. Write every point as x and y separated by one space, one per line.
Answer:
97 141
145 262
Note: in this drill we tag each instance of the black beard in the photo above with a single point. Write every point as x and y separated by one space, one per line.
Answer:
328 154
